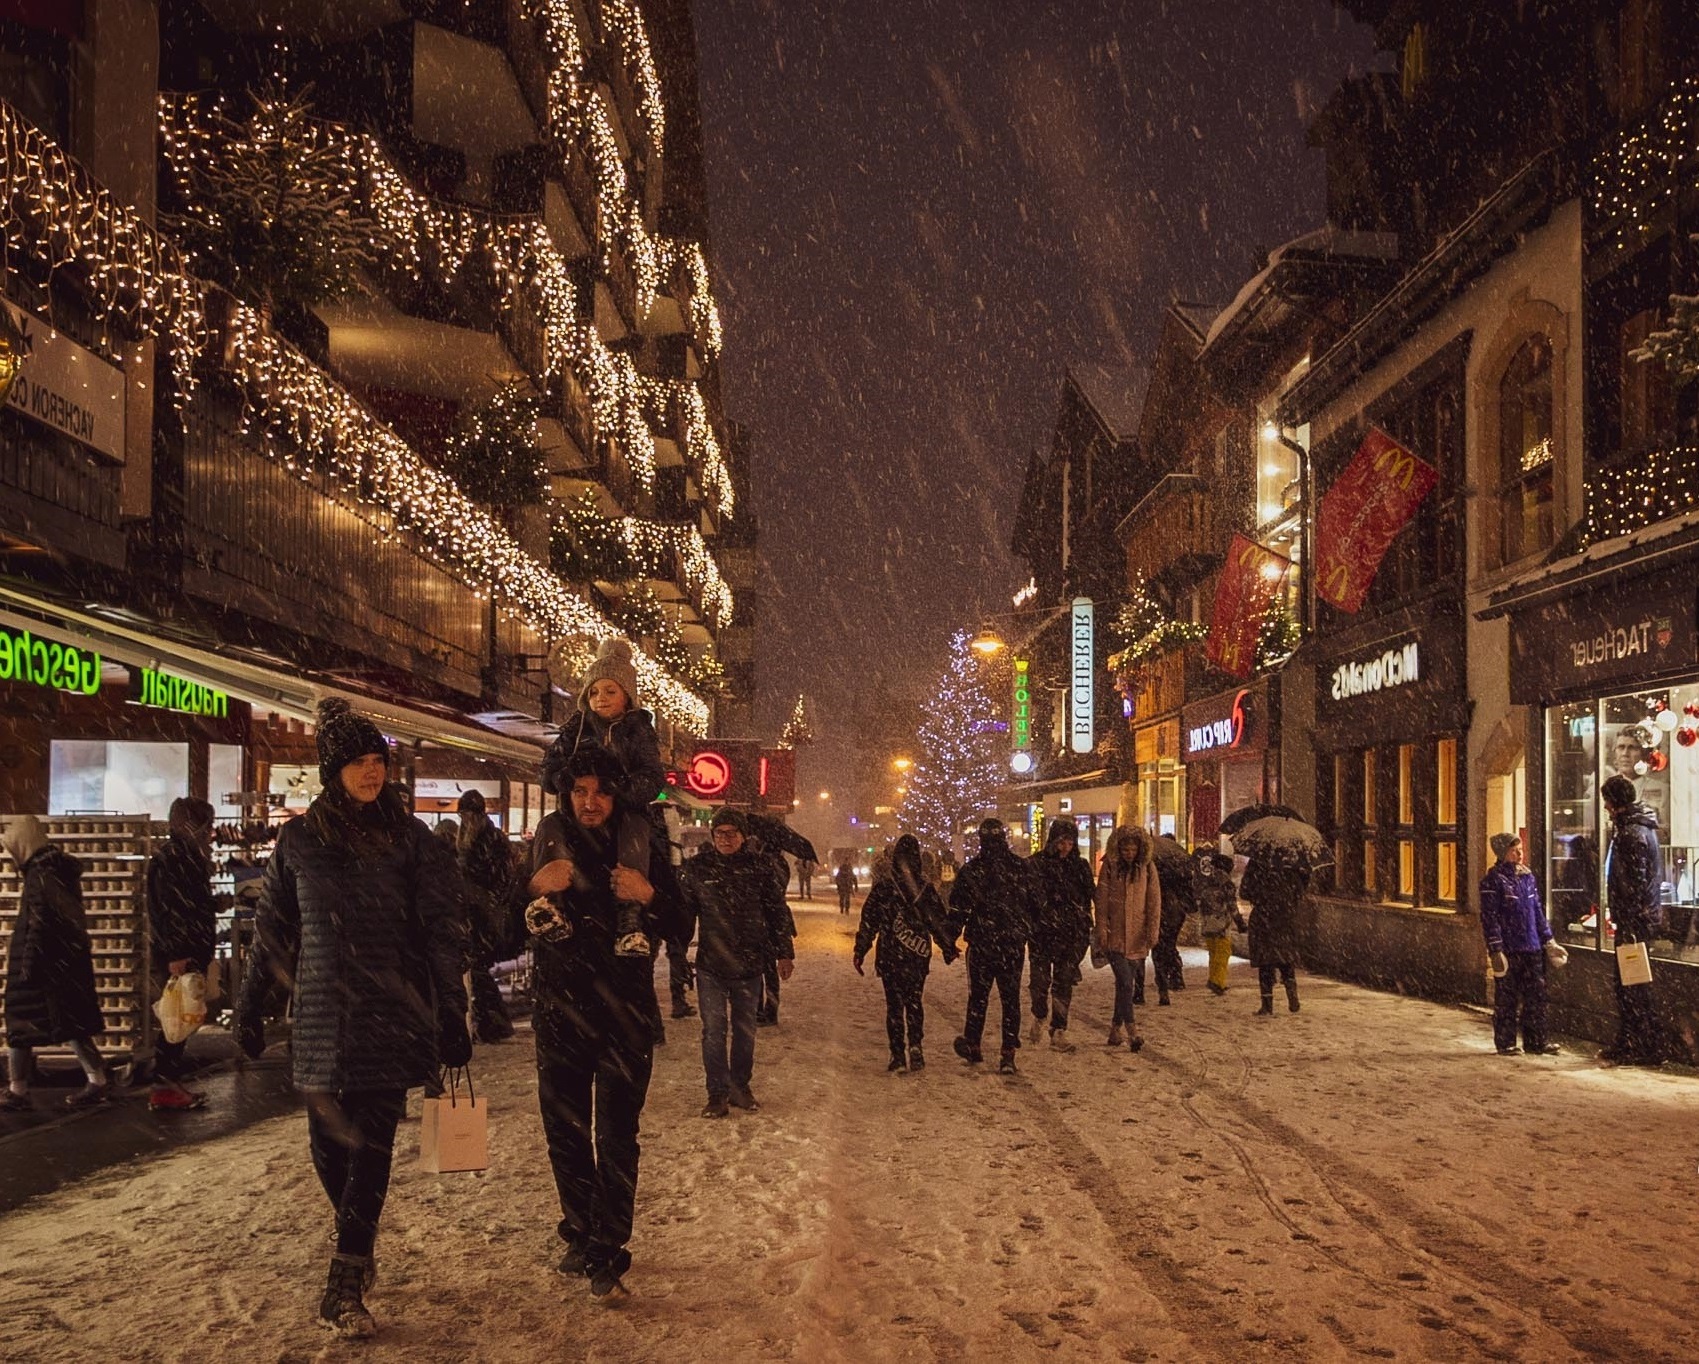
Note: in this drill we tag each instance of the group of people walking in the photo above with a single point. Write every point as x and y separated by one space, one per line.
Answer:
1046 913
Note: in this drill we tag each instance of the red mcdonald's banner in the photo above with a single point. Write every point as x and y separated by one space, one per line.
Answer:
1250 580
1361 513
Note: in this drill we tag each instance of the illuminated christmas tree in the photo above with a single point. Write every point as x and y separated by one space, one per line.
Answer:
798 732
955 778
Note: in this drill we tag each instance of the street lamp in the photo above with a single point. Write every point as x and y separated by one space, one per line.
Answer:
902 764
825 795
987 643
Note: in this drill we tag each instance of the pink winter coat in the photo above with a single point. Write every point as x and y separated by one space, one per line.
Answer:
1127 923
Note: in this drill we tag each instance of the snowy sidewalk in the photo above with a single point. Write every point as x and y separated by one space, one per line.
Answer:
1367 1178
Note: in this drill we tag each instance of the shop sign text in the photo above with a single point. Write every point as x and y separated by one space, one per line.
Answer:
1397 667
1082 703
1227 732
47 663
165 691
65 387
1621 643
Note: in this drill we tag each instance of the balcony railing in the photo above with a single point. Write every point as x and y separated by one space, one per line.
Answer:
1637 490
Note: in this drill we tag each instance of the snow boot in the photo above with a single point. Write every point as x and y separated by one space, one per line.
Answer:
632 945
1292 996
1035 1028
916 1059
716 1108
743 1098
1059 1040
1006 1066
605 1277
1116 1036
898 1062
967 1051
343 1307
574 1264
1215 989
1163 999
1267 1005
1135 1044
13 1102
682 1008
89 1096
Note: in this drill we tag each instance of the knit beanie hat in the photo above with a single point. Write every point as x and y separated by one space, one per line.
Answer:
613 660
344 736
732 817
1502 843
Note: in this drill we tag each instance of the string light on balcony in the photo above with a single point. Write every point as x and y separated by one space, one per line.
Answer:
1624 498
1632 183
626 22
651 543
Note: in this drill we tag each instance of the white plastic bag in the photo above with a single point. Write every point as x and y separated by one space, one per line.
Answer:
181 1006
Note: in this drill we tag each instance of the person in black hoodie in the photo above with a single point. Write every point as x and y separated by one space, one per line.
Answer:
733 900
486 868
1061 929
50 992
360 919
991 903
1634 892
183 926
900 920
593 1016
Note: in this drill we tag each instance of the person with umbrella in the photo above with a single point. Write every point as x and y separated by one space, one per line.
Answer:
1275 883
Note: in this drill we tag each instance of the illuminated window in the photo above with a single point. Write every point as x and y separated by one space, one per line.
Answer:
1369 787
1527 453
1447 891
1406 869
1445 804
1406 783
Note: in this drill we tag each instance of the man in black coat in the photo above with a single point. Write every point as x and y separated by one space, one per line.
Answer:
486 867
1634 891
183 928
50 991
1061 930
992 903
1177 874
592 1019
736 904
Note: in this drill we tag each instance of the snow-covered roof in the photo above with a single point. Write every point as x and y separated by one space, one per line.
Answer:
1323 242
1197 316
1595 558
1115 392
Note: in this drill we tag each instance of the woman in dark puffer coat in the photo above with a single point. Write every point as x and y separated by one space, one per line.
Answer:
360 918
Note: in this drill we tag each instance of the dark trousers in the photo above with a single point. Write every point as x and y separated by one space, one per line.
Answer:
170 1060
1521 993
1050 982
1639 1034
1265 978
904 1004
490 1022
716 998
843 900
678 973
1129 983
1166 958
352 1138
591 1102
983 970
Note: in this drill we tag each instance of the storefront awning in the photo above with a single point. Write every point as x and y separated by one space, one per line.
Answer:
276 689
1082 780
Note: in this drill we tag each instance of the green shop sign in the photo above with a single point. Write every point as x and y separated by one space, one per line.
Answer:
165 691
47 663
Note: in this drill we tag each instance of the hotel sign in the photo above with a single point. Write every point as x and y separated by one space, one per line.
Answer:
67 388
1082 700
1020 727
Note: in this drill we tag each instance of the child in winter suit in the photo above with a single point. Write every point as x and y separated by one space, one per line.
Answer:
1218 902
609 716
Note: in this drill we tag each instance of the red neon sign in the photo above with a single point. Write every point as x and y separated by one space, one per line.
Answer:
763 785
709 774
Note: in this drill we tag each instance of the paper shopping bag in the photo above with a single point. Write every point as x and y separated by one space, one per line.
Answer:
1634 963
455 1135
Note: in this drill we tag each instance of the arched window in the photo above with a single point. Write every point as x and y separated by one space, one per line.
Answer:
1527 452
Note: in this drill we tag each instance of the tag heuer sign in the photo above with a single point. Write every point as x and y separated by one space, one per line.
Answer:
65 387
1640 628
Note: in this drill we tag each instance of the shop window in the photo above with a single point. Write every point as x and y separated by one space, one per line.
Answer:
223 779
95 776
1446 863
1406 869
1527 453
1445 802
1371 878
1648 405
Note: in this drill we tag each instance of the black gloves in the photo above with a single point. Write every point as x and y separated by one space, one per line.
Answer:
454 1043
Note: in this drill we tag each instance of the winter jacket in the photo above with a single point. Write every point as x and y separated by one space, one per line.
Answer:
1274 893
992 902
1511 917
585 996
182 918
371 941
1179 887
486 868
1061 929
1634 880
1129 930
630 739
844 879
50 994
1218 902
739 910
901 930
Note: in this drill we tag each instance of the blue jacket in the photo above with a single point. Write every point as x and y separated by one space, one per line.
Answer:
1512 919
1635 879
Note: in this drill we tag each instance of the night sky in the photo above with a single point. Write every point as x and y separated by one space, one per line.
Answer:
922 210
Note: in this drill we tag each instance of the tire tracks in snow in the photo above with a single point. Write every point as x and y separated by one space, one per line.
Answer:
1429 1239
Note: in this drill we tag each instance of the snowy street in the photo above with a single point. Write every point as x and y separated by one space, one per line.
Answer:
1210 1199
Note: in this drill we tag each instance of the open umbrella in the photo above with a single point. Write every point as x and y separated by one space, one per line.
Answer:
1284 840
1170 853
776 833
1246 813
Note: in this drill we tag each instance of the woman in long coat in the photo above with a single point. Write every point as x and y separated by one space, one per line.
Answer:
360 918
50 993
1275 889
1128 919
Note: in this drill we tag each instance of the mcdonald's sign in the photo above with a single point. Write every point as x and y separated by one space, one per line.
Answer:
1250 580
1361 514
